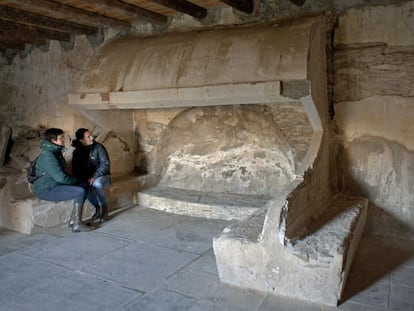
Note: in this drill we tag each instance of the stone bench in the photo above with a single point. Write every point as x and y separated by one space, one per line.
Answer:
312 268
201 204
26 213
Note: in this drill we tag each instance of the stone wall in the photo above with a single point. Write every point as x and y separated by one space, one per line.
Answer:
374 110
226 149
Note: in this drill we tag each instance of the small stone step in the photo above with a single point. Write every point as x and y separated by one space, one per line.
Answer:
201 204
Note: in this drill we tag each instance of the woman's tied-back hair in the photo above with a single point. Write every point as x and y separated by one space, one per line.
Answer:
79 135
52 133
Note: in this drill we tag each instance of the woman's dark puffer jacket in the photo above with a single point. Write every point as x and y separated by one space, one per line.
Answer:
90 161
50 166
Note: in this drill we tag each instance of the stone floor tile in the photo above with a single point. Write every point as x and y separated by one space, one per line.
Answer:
209 306
6 249
277 303
377 248
138 225
370 267
404 252
401 298
7 306
19 272
351 306
140 266
161 299
191 236
72 291
361 279
6 236
207 287
61 230
206 263
27 241
376 295
403 275
77 250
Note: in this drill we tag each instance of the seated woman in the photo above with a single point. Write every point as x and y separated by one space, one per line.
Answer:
91 166
53 183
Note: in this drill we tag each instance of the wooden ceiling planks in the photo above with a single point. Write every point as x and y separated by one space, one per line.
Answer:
34 21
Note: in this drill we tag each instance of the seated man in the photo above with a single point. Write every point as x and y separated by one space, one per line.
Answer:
91 166
53 184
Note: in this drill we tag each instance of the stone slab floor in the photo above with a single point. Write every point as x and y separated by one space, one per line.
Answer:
150 260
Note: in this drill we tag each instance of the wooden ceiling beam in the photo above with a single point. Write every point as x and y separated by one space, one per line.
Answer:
65 12
7 39
21 17
11 45
245 6
26 33
185 7
298 2
130 10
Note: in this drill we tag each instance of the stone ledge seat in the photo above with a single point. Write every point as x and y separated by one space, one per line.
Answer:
194 203
25 214
312 268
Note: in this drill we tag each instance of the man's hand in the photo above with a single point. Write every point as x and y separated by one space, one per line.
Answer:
91 180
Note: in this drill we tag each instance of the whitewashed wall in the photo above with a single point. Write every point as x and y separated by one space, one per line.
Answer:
374 110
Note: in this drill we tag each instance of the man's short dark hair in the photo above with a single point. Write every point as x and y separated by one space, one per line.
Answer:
52 133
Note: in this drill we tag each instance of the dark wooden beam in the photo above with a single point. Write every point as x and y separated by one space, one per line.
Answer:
25 33
65 12
298 2
31 19
8 39
129 10
11 45
245 6
184 7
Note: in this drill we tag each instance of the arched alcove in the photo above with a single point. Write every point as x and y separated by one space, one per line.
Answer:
225 149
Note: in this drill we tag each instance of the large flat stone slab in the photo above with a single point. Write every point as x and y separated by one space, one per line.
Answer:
72 291
201 204
139 266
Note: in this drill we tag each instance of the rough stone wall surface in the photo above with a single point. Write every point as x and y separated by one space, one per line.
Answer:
235 149
290 118
382 171
374 109
294 124
33 95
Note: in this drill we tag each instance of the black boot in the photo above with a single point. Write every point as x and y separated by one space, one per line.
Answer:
78 226
98 213
104 214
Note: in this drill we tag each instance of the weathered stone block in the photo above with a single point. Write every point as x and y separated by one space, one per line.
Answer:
314 268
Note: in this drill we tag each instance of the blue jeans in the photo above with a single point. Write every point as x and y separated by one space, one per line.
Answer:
64 193
96 193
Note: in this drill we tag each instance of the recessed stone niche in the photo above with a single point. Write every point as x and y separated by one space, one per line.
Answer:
230 149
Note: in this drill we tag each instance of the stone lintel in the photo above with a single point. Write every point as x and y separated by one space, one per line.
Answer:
214 95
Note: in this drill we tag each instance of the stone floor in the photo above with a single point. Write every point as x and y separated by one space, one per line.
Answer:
150 260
